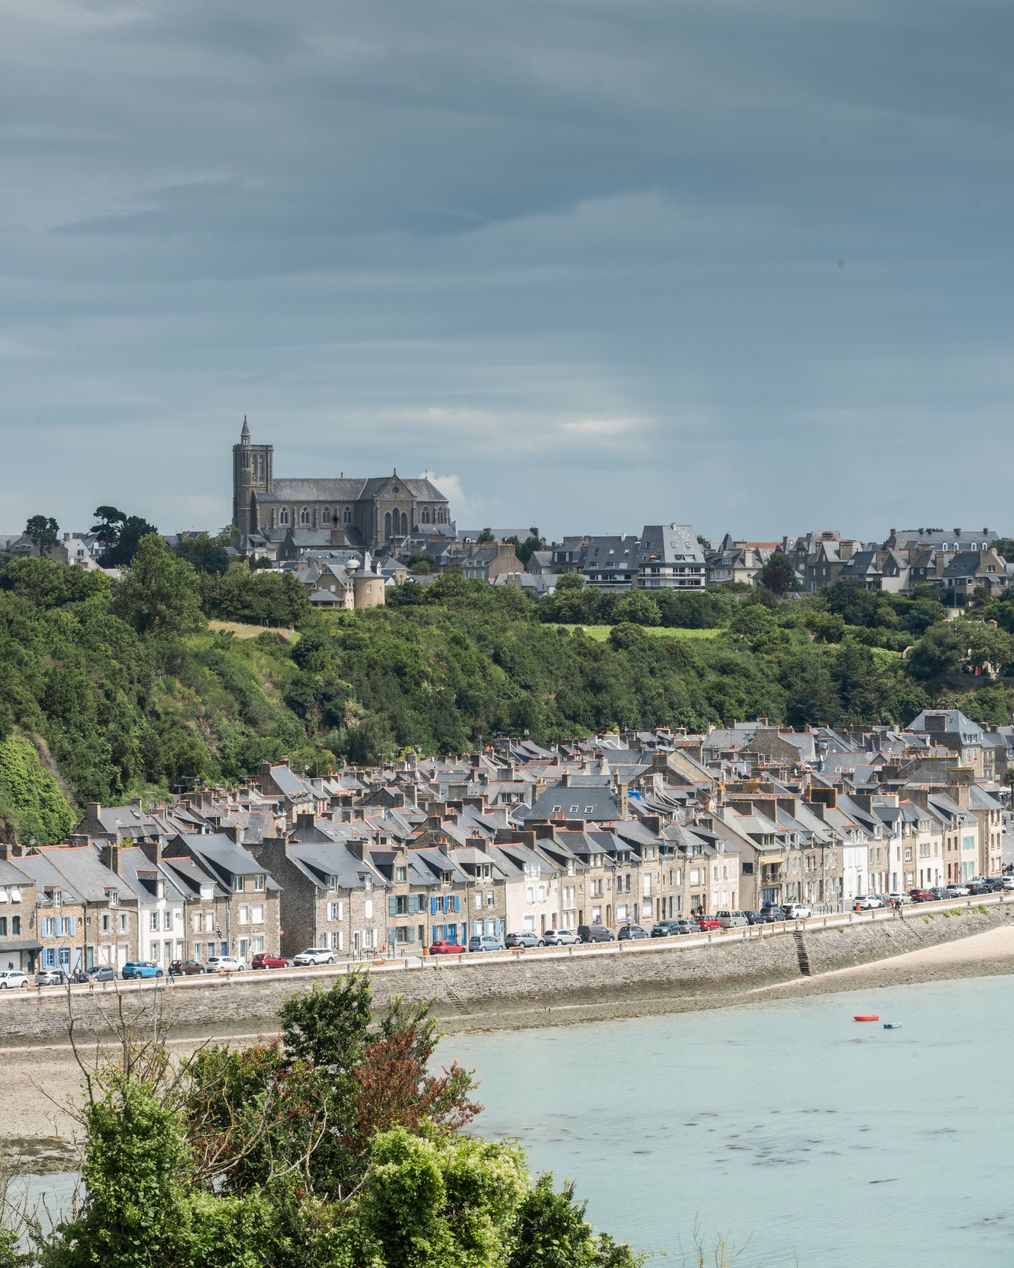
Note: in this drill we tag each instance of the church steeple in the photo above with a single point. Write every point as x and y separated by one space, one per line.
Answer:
244 435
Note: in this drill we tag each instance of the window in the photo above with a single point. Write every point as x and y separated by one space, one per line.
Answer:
167 920
283 515
3 926
347 515
209 921
244 915
304 515
491 899
368 909
325 515
153 921
334 911
259 881
106 922
401 873
478 899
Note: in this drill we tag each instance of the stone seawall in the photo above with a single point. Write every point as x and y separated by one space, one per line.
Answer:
508 992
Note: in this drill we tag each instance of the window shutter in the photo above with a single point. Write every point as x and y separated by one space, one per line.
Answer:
457 903
392 906
434 906
72 922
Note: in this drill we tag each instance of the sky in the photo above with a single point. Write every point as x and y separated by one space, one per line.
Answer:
592 263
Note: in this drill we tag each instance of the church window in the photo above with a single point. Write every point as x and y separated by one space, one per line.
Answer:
304 515
283 515
325 515
426 515
348 515
404 524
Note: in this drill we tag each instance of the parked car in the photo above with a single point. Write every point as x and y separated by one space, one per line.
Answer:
631 933
140 968
13 979
102 973
959 890
732 919
594 933
186 968
51 977
485 943
898 899
1007 882
314 955
666 928
268 960
866 902
525 938
769 913
921 896
225 964
939 892
706 923
442 947
560 938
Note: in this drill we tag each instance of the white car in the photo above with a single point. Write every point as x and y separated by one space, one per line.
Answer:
796 911
864 902
225 964
13 979
560 938
314 955
899 900
960 891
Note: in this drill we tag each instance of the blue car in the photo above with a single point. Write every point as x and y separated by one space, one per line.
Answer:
141 968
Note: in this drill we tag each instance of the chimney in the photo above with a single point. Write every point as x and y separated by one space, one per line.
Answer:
234 831
306 821
109 856
152 850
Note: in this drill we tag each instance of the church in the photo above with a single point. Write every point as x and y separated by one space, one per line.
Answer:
364 514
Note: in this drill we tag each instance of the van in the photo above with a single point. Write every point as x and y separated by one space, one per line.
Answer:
594 933
732 919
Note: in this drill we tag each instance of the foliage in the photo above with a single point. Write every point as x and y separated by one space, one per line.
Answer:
43 532
121 535
158 595
229 1161
203 554
31 800
778 574
258 596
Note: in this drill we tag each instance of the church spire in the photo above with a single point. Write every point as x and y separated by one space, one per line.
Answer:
244 435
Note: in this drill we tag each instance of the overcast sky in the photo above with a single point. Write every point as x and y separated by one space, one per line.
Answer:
594 263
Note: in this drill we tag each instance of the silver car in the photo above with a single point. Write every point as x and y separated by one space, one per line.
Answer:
51 977
314 955
560 938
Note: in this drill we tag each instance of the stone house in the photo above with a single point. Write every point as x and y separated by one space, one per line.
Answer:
19 944
233 903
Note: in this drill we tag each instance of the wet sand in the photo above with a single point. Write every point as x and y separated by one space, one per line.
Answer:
39 1128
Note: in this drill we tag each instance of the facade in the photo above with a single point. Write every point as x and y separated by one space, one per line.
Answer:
358 512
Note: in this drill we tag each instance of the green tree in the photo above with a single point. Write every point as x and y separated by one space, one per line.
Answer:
159 595
43 532
485 537
110 524
131 533
778 574
203 553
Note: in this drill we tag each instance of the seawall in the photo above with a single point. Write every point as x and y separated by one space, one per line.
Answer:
503 992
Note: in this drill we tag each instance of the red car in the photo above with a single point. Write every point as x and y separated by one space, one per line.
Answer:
921 896
704 923
443 947
267 960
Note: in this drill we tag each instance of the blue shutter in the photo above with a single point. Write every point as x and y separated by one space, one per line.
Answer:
457 903
392 906
72 921
434 906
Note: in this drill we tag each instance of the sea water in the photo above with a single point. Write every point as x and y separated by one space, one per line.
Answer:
794 1133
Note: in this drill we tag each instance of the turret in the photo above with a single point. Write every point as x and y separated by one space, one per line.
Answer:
251 473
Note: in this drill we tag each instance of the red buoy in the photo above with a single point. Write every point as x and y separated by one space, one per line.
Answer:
866 1017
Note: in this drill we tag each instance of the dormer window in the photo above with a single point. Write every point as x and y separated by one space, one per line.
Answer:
259 881
112 897
57 897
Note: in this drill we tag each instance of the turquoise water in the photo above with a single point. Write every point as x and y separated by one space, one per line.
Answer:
798 1135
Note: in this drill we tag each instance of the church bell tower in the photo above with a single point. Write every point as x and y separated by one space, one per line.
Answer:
251 473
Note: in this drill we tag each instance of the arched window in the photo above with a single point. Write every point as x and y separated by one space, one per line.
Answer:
387 526
304 515
426 515
404 524
348 515
325 515
283 515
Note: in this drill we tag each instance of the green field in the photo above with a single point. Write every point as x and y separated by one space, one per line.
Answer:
601 632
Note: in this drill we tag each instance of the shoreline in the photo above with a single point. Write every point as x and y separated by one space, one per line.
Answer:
39 1132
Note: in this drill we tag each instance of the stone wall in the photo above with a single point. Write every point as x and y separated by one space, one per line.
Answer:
487 989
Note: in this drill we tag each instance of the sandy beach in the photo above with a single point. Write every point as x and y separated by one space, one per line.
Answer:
39 1129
